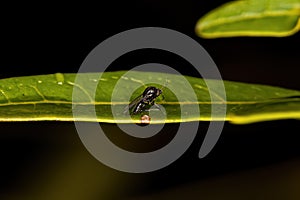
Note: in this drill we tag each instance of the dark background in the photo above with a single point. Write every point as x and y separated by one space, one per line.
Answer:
46 160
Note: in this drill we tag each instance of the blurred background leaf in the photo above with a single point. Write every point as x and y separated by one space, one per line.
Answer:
272 18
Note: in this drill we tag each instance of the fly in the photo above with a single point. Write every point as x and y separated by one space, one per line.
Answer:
142 102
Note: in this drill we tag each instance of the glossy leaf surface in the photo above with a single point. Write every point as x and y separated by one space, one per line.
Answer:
49 97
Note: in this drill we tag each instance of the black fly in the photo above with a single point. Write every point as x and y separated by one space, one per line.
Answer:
143 101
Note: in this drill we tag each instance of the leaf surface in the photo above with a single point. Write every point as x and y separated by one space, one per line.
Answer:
103 97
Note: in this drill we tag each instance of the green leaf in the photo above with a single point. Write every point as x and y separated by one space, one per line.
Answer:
49 97
275 18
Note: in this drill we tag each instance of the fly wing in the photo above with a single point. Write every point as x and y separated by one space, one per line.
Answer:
133 104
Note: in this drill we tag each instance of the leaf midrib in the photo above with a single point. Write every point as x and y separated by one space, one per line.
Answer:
162 103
